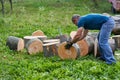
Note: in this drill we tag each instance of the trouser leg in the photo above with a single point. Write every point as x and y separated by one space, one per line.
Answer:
104 46
101 52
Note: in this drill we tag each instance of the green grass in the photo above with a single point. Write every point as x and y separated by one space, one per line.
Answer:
48 15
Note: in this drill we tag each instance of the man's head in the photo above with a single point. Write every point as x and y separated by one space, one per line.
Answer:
75 18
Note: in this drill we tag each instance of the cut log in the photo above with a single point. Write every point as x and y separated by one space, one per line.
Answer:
15 43
90 44
86 45
38 33
34 46
90 41
112 45
117 40
84 48
27 38
50 49
71 53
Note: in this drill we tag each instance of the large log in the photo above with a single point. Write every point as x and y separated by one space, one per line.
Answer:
81 48
71 53
90 41
34 46
50 48
91 44
111 43
27 38
86 45
15 43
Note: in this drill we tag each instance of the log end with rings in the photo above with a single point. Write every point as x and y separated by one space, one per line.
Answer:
85 45
15 43
34 46
71 53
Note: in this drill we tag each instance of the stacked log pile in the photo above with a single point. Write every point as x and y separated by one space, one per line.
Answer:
38 43
33 44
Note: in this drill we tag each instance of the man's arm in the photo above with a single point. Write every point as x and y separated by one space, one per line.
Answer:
81 33
84 34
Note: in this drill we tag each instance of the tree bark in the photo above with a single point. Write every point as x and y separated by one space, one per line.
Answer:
15 43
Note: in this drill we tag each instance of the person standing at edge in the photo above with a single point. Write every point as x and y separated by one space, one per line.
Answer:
99 22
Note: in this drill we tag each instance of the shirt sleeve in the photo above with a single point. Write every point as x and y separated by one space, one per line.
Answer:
80 23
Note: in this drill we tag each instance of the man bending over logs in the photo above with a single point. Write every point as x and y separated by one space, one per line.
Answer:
95 22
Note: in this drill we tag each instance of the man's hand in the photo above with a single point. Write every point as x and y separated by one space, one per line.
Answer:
68 45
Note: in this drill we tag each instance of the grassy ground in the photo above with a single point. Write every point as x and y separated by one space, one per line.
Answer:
48 16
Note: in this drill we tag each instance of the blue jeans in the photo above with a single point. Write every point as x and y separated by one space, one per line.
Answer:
105 49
